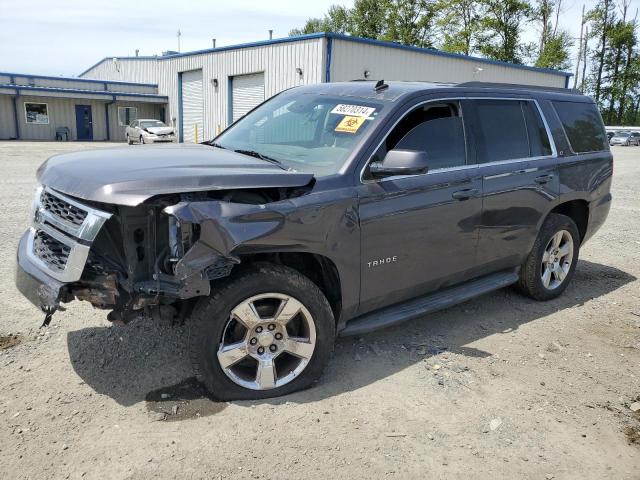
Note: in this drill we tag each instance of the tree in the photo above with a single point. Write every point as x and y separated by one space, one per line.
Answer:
459 21
601 18
336 20
500 23
410 22
554 44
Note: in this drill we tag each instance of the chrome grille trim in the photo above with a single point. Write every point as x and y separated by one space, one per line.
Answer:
77 237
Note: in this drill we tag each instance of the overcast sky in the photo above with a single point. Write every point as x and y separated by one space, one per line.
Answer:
64 37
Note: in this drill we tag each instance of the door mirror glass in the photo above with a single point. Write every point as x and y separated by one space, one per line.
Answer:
400 162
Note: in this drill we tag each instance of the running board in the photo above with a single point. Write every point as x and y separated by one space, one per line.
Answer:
418 307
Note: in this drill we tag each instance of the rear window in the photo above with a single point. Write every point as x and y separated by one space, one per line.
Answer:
583 126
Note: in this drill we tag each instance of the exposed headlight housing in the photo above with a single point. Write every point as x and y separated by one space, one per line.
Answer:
35 203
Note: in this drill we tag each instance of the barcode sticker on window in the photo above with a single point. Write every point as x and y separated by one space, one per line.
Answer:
353 110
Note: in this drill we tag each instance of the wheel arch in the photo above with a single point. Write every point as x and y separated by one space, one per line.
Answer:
578 211
320 269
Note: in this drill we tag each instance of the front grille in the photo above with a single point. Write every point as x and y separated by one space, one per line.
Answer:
62 209
52 252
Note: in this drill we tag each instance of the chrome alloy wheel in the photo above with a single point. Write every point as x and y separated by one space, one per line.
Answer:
557 259
268 341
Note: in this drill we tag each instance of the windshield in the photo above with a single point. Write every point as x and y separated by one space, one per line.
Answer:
151 124
623 134
303 132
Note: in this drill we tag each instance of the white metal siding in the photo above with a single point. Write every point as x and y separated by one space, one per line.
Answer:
277 61
248 92
351 59
141 70
7 120
192 107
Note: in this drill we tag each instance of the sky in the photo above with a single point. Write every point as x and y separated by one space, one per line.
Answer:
65 37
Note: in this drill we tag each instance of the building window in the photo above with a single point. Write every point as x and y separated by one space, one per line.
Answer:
126 115
36 113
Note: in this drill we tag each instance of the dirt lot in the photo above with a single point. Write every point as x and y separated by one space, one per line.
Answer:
501 386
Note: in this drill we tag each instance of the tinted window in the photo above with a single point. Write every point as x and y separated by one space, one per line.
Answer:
539 145
583 126
434 128
503 129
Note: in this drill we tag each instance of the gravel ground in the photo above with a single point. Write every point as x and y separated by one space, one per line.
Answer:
499 387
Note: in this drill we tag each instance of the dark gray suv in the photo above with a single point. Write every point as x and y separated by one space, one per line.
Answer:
329 209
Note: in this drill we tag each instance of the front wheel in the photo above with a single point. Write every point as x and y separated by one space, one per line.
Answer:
141 140
268 332
552 261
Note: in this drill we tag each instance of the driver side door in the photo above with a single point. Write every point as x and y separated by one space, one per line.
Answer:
419 233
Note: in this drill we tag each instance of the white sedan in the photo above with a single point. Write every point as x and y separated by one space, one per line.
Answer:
150 131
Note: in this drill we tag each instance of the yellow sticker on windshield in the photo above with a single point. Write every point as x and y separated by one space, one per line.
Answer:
350 124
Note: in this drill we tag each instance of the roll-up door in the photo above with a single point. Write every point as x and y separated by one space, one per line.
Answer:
248 92
192 107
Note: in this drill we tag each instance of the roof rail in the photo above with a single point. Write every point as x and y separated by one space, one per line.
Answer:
515 86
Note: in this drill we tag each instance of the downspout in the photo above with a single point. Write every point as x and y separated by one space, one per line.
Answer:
327 73
15 113
106 115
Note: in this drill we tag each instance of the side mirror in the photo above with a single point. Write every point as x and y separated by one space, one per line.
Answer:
400 162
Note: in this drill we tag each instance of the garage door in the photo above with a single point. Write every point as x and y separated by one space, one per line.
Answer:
248 92
192 107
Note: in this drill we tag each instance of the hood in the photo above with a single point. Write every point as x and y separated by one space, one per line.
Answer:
159 130
129 176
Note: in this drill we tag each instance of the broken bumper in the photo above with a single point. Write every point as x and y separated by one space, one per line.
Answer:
38 287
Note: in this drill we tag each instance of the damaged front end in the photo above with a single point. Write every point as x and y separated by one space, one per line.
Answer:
150 258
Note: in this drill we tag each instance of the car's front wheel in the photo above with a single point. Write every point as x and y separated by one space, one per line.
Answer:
552 261
141 140
267 332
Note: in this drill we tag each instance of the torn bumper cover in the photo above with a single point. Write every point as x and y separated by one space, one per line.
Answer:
38 287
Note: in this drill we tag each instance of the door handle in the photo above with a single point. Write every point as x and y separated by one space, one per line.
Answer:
466 194
544 179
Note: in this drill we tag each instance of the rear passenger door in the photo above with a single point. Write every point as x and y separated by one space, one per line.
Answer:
518 165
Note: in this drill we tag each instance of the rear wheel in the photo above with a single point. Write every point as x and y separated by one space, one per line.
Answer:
141 140
552 261
129 141
267 332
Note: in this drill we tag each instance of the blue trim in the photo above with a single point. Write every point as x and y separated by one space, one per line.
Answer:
348 38
229 101
19 88
180 122
327 73
72 79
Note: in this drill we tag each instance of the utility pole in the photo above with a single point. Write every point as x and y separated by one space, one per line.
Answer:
179 35
575 78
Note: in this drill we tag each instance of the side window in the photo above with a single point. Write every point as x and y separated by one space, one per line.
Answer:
539 145
510 129
583 125
435 128
502 127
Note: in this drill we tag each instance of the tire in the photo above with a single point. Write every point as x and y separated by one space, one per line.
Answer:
212 325
531 281
141 140
129 141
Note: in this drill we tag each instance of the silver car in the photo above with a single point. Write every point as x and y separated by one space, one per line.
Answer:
150 131
625 138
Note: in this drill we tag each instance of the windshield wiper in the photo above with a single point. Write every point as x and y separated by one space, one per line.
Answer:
253 153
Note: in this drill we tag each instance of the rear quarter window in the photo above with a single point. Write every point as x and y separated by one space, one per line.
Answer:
583 125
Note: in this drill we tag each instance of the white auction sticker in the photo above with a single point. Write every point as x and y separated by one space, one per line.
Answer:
353 110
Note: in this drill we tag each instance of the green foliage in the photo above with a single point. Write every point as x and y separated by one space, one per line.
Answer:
501 25
459 22
492 29
555 52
